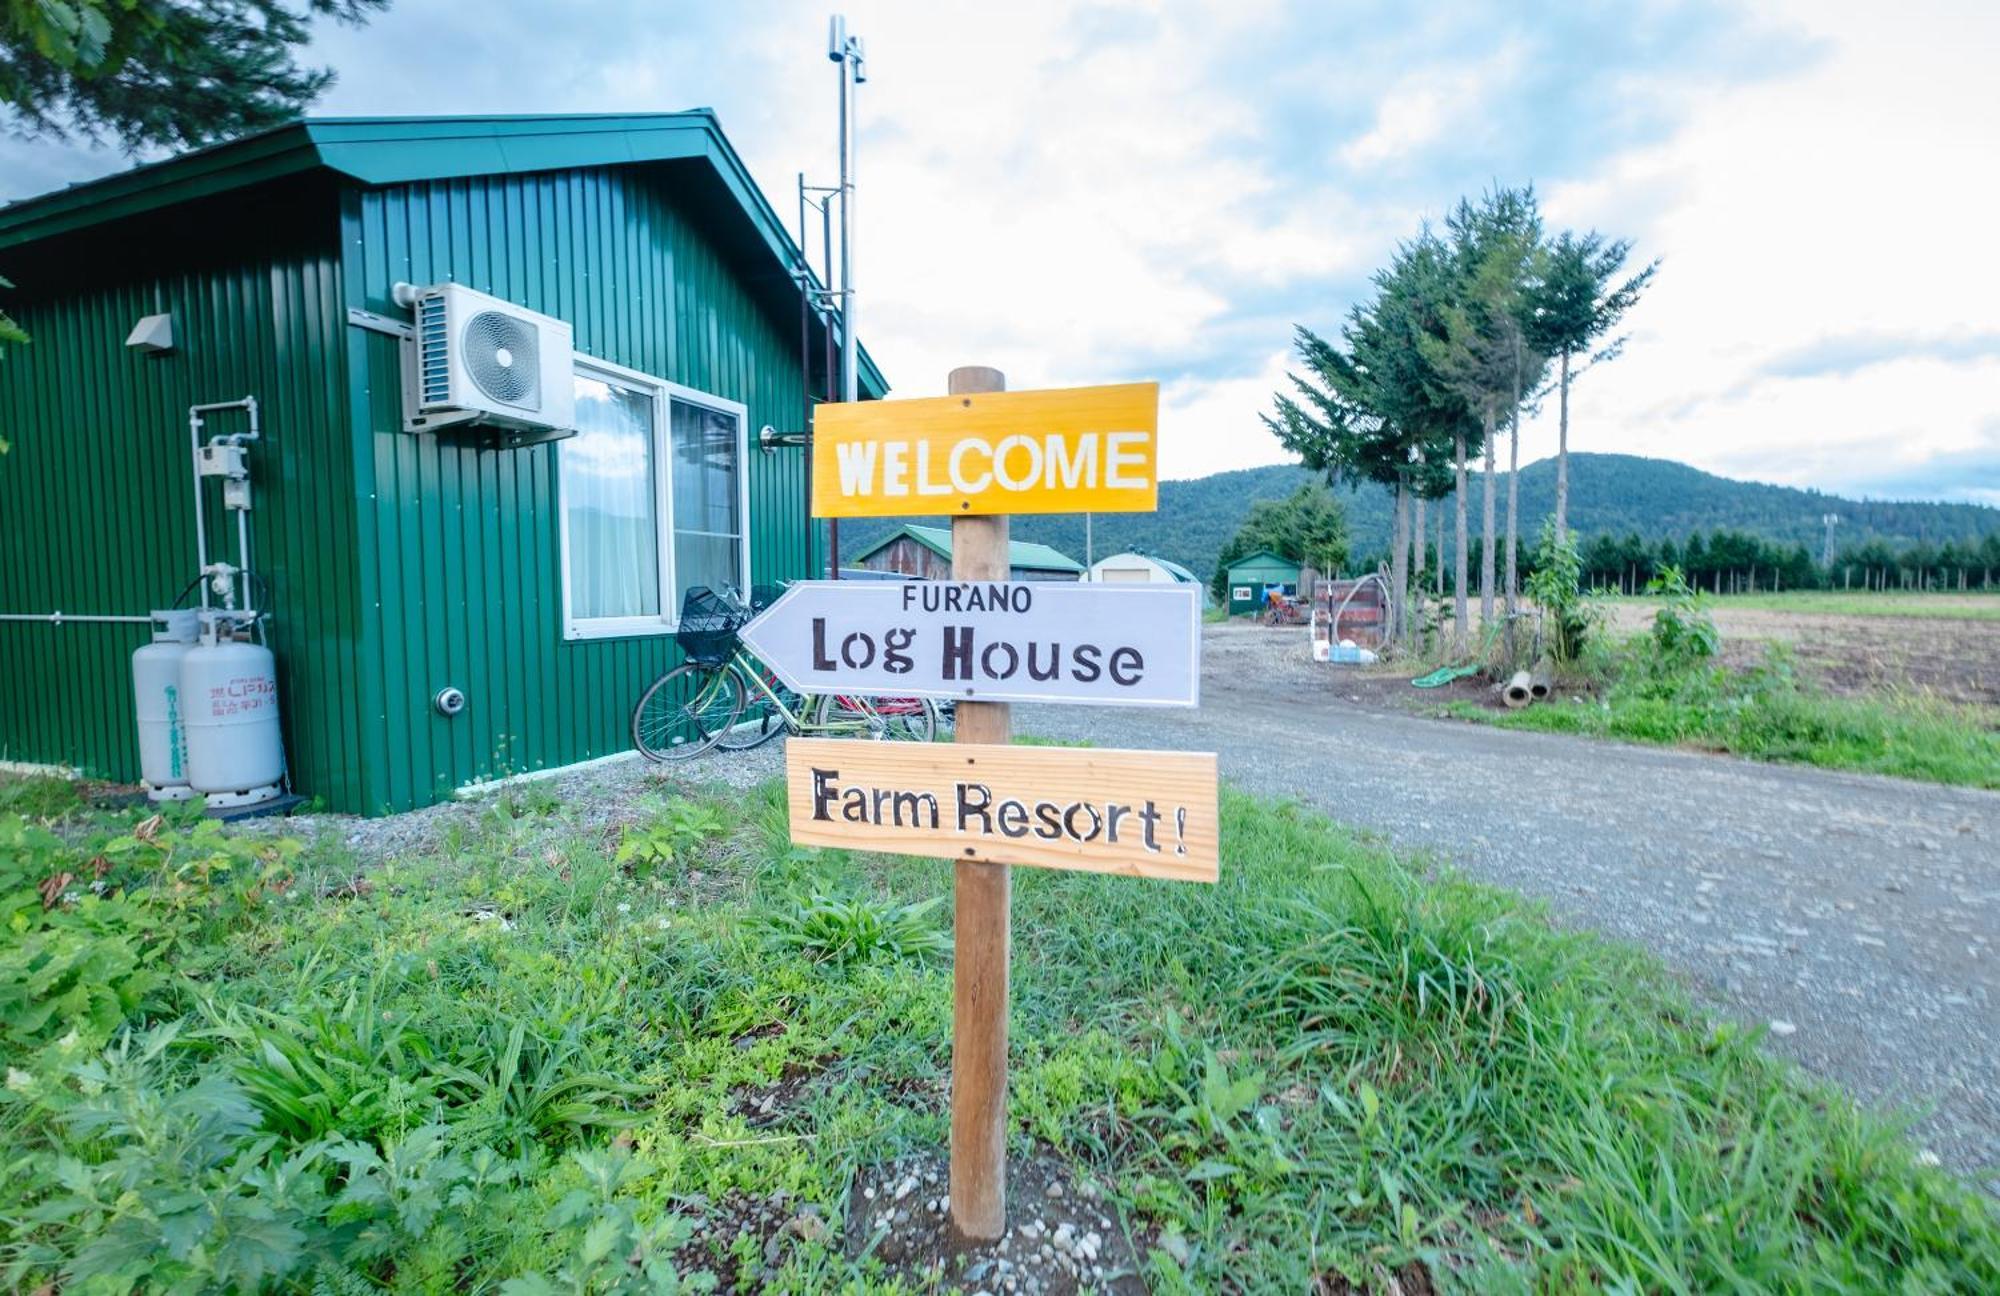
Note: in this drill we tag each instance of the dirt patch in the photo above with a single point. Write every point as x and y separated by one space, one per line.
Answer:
761 1106
1062 1236
1951 659
1242 658
741 1238
1413 1279
1943 657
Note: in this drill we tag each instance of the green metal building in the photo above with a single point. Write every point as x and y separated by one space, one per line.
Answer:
925 552
399 563
1253 575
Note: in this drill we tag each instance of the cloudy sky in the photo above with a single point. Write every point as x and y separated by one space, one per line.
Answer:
1085 192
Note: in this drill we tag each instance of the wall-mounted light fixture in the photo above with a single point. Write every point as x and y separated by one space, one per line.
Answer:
153 335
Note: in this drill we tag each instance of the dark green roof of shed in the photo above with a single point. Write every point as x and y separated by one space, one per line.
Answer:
397 150
1274 559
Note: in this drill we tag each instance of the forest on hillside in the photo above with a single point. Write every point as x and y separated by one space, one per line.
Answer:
1611 496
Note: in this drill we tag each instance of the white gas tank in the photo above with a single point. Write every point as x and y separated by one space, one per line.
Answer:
229 692
156 697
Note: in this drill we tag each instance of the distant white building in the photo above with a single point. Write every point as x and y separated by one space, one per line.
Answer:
1134 568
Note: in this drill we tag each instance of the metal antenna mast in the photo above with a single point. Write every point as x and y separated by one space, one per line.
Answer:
849 52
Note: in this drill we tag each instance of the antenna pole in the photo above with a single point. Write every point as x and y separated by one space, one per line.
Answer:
846 50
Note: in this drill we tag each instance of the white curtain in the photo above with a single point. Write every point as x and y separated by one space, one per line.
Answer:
708 521
608 494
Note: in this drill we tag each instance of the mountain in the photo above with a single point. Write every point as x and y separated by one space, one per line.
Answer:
1609 494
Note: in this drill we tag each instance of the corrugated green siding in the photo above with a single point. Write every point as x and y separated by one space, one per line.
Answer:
95 498
459 546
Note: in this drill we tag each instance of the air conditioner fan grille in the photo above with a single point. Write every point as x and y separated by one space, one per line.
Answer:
502 356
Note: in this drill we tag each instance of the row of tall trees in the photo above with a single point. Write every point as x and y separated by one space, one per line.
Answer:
1462 331
1725 561
1738 562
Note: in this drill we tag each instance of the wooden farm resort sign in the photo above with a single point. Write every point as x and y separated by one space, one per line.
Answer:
1070 450
1139 813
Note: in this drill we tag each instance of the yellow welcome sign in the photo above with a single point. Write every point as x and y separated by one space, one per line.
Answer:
1069 450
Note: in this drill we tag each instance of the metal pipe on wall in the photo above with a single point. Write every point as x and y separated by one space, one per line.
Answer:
62 618
248 404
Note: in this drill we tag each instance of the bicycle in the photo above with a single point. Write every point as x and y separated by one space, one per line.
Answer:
722 696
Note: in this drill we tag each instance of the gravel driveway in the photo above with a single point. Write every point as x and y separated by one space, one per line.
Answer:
1855 915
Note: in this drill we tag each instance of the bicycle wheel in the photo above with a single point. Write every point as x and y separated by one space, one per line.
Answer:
760 719
888 719
684 712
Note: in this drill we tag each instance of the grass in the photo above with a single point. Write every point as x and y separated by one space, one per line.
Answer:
1949 606
1335 1064
1767 715
37 796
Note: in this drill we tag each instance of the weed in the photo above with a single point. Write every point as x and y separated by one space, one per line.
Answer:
38 796
489 1069
828 929
1767 713
680 829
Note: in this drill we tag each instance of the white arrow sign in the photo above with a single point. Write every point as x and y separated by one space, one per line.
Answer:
987 641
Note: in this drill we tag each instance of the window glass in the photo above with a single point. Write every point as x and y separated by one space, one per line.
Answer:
611 504
708 496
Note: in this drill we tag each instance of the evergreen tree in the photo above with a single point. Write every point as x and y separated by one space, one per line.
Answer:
1371 408
161 73
1573 303
1483 349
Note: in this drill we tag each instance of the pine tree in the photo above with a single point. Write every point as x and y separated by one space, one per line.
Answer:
1571 305
162 73
1372 408
1481 353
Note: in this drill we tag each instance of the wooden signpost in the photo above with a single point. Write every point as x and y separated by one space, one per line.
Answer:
980 454
988 641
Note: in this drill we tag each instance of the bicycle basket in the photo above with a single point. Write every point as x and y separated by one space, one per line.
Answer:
709 621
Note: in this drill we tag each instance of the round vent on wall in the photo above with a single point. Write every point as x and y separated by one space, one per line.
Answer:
502 356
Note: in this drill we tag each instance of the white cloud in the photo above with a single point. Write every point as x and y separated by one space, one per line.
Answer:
1078 193
1854 198
1421 109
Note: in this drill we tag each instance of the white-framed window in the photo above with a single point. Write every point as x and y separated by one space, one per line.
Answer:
654 499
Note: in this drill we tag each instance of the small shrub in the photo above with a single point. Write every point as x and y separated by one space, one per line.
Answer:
1569 614
1684 633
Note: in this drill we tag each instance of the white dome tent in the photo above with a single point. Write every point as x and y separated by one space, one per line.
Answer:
1134 568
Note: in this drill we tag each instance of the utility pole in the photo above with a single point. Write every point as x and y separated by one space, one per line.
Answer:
1831 520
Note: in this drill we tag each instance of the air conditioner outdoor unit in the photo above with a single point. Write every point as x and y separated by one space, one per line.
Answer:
479 361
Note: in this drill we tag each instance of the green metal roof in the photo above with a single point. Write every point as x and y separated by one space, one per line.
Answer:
1276 559
394 150
1020 553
